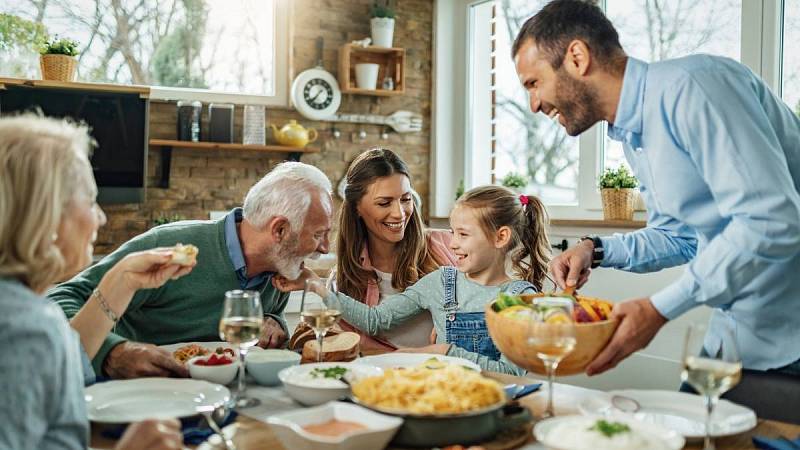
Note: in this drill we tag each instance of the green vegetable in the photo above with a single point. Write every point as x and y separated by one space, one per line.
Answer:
506 301
609 429
335 372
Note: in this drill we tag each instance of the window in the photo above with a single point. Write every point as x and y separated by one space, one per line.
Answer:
214 50
563 170
529 144
791 57
654 30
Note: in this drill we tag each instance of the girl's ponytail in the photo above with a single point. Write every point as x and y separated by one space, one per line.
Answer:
535 245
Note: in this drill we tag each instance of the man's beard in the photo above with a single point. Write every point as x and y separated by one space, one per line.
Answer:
287 262
579 101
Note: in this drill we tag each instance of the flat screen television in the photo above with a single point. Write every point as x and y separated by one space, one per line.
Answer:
118 122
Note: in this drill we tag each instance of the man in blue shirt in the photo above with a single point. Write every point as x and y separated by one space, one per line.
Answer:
718 159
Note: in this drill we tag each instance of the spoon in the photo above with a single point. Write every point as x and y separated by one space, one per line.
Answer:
625 404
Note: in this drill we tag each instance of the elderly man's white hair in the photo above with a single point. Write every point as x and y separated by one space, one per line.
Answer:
285 191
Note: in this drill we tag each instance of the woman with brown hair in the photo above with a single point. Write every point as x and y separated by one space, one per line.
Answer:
383 246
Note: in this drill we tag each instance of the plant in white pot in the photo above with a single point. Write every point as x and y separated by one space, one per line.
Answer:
382 23
515 181
57 59
618 192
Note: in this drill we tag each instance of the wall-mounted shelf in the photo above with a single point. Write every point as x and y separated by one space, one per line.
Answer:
292 153
392 62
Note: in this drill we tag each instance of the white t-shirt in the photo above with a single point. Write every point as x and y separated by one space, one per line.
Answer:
416 331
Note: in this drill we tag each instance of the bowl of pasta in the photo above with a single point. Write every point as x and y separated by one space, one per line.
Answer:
508 319
441 404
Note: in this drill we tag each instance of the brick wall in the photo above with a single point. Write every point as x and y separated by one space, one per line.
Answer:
202 181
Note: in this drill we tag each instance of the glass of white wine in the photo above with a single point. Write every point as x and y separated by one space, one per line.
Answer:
321 315
710 375
551 335
242 317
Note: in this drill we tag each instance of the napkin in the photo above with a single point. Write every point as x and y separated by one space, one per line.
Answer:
195 429
766 443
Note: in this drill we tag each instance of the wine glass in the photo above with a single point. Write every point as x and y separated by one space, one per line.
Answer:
323 313
710 375
551 335
242 317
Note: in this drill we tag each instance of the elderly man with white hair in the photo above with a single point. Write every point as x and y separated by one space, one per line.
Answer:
286 217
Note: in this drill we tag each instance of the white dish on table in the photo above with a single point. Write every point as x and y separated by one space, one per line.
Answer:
573 433
210 346
264 365
679 411
123 401
405 360
301 384
220 374
380 428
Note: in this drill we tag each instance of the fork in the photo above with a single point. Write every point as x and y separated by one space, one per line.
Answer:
399 121
209 416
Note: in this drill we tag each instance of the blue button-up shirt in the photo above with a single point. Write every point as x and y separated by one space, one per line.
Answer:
235 252
718 159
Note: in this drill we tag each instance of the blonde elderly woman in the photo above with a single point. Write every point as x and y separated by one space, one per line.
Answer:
48 222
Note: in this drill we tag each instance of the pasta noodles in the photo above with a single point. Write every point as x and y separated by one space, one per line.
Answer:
187 352
429 389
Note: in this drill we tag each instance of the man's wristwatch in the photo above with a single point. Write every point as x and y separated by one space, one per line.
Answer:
597 253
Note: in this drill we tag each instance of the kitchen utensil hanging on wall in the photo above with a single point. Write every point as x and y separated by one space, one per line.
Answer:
399 121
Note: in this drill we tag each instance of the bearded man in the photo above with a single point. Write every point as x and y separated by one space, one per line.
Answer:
717 155
286 217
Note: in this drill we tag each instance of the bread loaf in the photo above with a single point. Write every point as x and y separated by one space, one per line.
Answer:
337 348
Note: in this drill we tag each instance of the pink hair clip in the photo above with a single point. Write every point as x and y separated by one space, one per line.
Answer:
523 199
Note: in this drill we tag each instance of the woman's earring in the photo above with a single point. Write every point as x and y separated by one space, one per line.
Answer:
54 237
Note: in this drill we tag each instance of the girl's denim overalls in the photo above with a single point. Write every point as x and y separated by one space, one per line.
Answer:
468 329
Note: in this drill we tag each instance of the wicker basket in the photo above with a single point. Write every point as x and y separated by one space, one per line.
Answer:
618 203
58 67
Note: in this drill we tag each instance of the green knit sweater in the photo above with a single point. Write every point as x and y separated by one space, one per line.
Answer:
187 309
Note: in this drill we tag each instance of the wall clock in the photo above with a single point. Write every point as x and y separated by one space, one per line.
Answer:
315 92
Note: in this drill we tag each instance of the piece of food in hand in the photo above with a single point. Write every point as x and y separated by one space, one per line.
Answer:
339 348
184 255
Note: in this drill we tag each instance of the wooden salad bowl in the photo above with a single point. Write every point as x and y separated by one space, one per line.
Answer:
510 337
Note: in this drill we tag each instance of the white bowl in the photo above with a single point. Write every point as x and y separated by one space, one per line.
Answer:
288 427
297 383
223 374
264 365
560 433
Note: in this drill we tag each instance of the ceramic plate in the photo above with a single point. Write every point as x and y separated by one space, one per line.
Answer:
208 345
547 432
126 401
679 411
396 359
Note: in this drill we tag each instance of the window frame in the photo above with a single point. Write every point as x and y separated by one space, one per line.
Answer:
761 51
283 59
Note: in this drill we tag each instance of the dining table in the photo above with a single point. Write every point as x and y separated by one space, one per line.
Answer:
251 432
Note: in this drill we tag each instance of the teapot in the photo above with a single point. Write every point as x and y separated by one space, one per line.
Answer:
293 134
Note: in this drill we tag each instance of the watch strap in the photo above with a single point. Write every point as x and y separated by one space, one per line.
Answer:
597 253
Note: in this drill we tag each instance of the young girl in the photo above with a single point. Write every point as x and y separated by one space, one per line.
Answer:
490 225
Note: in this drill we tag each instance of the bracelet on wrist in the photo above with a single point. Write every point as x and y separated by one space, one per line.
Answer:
104 306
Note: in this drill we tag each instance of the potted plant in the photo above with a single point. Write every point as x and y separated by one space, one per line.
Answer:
382 23
57 59
515 181
618 192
